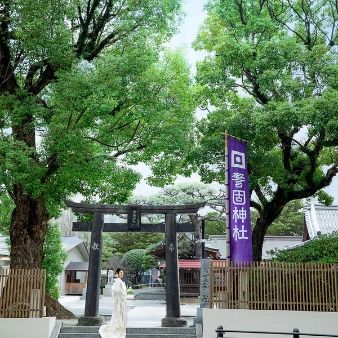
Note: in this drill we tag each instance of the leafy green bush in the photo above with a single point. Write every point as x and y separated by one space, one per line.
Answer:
136 262
54 258
322 249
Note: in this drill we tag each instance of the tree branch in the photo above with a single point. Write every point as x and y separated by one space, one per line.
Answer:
260 97
330 143
85 24
52 167
260 195
101 142
125 151
286 148
109 40
46 77
256 205
7 80
241 13
92 27
31 72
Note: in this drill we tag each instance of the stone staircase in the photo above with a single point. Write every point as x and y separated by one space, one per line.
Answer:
155 332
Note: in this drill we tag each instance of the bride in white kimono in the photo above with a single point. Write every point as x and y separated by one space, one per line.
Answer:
116 328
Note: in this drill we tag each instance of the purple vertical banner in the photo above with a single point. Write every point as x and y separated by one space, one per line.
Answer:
239 202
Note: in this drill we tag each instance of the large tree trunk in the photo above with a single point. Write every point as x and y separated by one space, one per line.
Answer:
258 234
28 230
267 215
55 309
27 235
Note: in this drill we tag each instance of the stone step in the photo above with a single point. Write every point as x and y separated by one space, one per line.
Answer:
129 335
165 332
94 329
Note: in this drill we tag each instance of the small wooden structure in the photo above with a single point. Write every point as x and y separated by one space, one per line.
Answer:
274 286
22 293
189 276
75 284
134 224
189 270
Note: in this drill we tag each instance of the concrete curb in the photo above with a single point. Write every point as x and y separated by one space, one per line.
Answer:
56 330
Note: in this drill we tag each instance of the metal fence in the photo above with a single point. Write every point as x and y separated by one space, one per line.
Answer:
295 333
274 286
22 293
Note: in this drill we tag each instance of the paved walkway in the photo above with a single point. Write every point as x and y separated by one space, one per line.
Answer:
141 313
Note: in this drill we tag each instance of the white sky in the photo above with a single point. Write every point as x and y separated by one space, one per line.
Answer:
194 17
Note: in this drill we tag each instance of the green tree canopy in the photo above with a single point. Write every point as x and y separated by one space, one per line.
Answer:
271 79
120 243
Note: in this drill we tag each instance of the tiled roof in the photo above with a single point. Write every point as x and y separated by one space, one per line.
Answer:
321 219
77 266
68 243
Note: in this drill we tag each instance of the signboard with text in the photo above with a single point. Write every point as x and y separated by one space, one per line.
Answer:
239 201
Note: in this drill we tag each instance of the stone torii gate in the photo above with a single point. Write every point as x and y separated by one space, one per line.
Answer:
134 224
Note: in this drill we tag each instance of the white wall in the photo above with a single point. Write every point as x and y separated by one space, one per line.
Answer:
270 243
278 321
73 255
26 327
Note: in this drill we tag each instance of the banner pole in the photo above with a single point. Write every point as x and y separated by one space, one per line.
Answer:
227 208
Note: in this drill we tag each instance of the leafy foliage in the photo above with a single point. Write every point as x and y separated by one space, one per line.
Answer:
6 209
120 243
214 224
115 245
54 258
289 223
271 78
135 262
322 249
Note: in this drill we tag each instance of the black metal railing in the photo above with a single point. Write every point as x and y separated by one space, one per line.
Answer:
295 333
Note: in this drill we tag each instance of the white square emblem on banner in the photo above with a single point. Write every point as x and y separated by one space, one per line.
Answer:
237 159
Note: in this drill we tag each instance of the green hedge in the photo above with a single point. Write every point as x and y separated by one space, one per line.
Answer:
322 249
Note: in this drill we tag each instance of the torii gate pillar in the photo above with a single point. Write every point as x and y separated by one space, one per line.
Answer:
91 311
173 311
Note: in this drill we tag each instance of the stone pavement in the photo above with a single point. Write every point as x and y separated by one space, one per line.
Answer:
141 313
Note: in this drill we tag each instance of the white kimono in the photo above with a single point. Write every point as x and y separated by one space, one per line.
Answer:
116 328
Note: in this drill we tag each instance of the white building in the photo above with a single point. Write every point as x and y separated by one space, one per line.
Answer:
73 279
